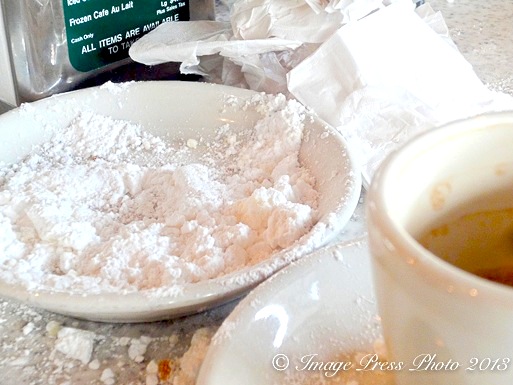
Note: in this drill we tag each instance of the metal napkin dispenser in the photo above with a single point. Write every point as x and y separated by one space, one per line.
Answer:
52 46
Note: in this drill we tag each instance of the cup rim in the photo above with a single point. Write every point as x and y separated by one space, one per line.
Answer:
431 268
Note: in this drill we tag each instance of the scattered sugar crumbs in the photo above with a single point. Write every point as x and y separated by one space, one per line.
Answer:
41 348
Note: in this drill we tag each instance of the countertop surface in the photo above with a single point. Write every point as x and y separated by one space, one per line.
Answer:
31 353
483 32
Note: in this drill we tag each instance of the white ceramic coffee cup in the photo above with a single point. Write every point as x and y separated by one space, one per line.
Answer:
455 326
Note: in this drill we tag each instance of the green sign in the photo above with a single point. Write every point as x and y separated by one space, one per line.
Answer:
100 32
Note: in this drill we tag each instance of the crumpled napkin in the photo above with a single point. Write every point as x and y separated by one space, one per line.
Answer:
309 21
261 43
185 41
202 46
390 48
391 75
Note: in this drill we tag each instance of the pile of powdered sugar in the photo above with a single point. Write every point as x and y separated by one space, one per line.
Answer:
106 207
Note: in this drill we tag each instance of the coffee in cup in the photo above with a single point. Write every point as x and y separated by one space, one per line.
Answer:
439 214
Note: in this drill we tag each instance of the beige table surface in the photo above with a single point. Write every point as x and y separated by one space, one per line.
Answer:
483 31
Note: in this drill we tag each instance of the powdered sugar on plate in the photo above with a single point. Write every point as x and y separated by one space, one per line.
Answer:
106 207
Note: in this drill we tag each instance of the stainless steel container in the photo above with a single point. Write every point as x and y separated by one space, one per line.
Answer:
52 46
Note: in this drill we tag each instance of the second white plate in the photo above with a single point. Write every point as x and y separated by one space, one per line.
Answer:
300 325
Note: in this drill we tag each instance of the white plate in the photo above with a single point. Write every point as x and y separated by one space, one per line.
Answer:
322 305
181 110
